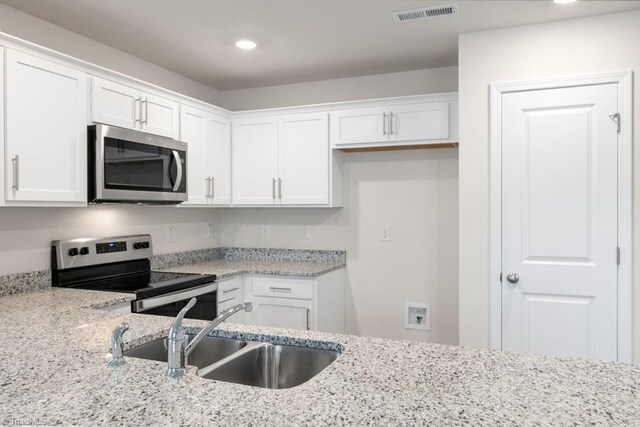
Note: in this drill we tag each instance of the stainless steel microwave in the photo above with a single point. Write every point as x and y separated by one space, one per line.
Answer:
127 166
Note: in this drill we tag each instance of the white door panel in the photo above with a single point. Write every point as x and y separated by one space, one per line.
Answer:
115 104
218 156
416 122
304 159
560 221
193 125
361 125
46 131
160 116
255 161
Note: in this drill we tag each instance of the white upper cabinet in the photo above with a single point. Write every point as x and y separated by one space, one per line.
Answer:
303 145
360 125
123 106
404 122
46 131
209 157
283 160
416 122
255 161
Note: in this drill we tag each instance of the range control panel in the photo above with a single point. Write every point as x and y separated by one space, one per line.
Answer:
94 251
109 247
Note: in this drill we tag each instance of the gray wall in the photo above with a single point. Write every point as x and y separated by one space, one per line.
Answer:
35 30
414 192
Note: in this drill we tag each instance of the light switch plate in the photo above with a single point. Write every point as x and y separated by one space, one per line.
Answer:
305 234
211 231
170 234
265 231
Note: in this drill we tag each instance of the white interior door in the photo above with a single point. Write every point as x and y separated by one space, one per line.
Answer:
559 221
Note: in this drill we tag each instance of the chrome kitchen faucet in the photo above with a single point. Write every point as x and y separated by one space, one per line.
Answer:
177 348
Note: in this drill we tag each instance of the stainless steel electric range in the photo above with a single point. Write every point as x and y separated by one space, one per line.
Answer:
121 264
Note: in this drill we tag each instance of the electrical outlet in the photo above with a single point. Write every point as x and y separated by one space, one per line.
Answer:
210 231
265 231
170 234
417 316
385 233
305 234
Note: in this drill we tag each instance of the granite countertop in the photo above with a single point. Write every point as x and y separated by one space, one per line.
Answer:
228 268
53 371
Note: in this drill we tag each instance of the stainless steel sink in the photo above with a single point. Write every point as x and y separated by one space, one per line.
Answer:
209 351
270 366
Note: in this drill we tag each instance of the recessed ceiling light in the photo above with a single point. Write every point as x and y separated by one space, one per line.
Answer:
564 1
246 44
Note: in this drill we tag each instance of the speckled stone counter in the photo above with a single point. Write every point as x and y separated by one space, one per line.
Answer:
228 268
52 371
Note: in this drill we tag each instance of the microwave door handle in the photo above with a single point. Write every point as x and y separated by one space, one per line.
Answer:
178 181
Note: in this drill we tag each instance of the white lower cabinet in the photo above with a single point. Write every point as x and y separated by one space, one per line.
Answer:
45 132
315 304
230 293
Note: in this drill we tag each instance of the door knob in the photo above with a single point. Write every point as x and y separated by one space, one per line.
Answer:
513 278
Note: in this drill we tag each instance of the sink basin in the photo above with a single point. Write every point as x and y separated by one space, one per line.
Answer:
209 351
270 366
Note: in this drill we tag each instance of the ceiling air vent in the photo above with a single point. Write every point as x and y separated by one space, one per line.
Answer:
424 13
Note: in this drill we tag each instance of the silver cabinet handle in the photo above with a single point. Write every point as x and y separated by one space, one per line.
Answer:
226 291
308 323
384 123
391 123
208 184
513 278
276 288
146 111
213 187
273 188
137 110
176 157
227 300
280 188
16 173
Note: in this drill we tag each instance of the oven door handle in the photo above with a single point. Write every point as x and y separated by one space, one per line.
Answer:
176 156
160 300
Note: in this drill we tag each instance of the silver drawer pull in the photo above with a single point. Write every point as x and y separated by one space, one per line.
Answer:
229 290
275 288
226 300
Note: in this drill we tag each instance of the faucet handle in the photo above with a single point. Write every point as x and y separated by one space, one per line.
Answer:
116 345
175 331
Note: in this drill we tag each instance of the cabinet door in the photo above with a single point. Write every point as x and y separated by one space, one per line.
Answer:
359 126
255 161
282 313
193 131
303 142
46 131
415 122
159 116
218 154
115 104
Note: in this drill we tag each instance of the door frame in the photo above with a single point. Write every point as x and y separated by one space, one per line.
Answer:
625 198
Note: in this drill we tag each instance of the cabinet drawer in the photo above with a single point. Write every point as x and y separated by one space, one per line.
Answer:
229 289
283 288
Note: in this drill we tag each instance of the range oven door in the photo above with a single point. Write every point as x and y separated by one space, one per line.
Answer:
134 167
206 307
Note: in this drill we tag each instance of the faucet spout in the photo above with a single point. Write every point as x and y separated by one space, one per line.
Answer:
177 348
176 342
247 306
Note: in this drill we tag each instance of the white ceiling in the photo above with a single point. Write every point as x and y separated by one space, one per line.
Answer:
298 40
